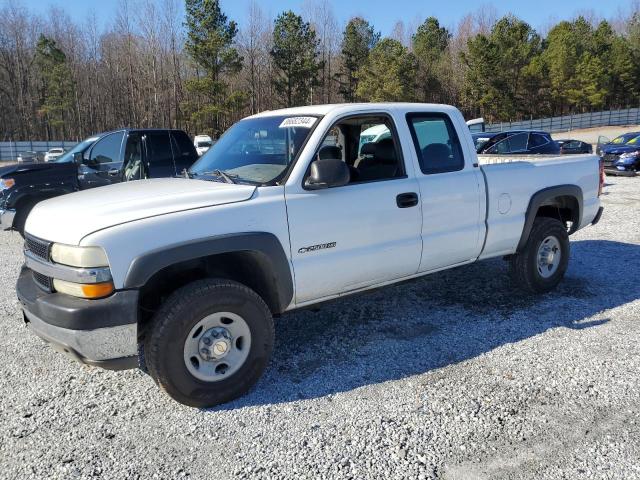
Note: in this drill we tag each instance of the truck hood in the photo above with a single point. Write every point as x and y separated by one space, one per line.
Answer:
69 218
25 168
619 149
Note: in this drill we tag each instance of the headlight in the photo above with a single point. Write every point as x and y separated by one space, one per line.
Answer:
628 157
6 183
86 257
83 290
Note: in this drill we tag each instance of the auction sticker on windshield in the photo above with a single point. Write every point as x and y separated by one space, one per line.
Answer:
304 122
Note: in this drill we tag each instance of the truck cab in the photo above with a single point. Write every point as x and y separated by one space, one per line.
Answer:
103 159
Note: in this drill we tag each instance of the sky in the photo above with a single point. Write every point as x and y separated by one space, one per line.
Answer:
538 13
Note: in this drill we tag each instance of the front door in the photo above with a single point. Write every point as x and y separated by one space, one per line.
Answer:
103 163
364 233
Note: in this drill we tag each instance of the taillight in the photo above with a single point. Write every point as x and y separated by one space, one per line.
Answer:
600 187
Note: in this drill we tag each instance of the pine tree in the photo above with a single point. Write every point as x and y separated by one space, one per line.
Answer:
429 44
56 85
388 75
358 39
210 44
294 53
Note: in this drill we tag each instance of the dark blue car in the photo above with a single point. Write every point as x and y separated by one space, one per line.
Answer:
621 156
520 142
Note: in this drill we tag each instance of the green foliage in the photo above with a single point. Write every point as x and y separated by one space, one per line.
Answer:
57 86
359 38
389 73
429 45
210 43
294 53
499 68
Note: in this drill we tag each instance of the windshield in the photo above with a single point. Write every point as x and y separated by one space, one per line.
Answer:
624 138
81 147
204 144
256 150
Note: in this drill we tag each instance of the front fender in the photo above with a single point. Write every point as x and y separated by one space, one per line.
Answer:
144 267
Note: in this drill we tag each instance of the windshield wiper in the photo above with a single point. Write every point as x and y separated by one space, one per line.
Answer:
219 173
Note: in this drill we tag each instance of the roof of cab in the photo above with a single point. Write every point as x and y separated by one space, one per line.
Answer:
359 107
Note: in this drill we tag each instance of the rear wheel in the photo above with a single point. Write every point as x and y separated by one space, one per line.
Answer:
544 260
210 342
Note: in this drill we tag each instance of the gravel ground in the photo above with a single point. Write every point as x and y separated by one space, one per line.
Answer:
454 376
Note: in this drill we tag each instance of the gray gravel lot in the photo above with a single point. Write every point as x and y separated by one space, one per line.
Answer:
454 376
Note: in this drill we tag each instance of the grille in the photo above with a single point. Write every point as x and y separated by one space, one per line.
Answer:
609 158
42 281
40 248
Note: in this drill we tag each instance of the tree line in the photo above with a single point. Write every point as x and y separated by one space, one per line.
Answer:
166 64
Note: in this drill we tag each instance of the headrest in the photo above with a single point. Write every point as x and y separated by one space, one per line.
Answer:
385 149
368 148
436 151
330 151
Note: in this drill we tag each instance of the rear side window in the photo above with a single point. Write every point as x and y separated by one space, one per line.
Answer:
537 140
436 143
159 148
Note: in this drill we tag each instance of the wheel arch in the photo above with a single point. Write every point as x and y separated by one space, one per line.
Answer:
564 202
256 259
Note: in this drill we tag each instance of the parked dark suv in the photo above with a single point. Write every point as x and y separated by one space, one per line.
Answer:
520 142
103 159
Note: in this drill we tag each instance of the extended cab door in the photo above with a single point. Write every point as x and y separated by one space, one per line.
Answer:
451 189
363 233
102 163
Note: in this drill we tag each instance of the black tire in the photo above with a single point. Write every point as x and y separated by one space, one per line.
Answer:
22 212
523 267
164 344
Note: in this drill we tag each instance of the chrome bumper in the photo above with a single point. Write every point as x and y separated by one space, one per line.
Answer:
6 219
114 348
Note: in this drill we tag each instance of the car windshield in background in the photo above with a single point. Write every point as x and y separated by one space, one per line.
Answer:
256 150
81 147
204 144
624 138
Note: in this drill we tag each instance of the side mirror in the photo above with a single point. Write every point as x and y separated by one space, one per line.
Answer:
77 157
327 173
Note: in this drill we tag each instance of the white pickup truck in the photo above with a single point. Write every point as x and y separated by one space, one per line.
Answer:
289 208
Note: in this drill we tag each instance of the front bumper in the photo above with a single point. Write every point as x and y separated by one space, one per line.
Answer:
6 219
623 173
95 332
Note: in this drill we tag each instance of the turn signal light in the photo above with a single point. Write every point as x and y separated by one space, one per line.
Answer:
84 290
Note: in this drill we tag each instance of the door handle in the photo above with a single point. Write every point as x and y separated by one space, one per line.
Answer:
113 172
406 200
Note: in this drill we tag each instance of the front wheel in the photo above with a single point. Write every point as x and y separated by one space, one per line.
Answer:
210 342
545 258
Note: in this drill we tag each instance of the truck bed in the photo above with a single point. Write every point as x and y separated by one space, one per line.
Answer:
512 180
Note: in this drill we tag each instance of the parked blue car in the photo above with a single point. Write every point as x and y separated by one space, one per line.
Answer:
621 156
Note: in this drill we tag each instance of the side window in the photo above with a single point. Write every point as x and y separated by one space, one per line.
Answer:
133 165
518 143
106 151
368 145
436 143
184 152
537 140
159 149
